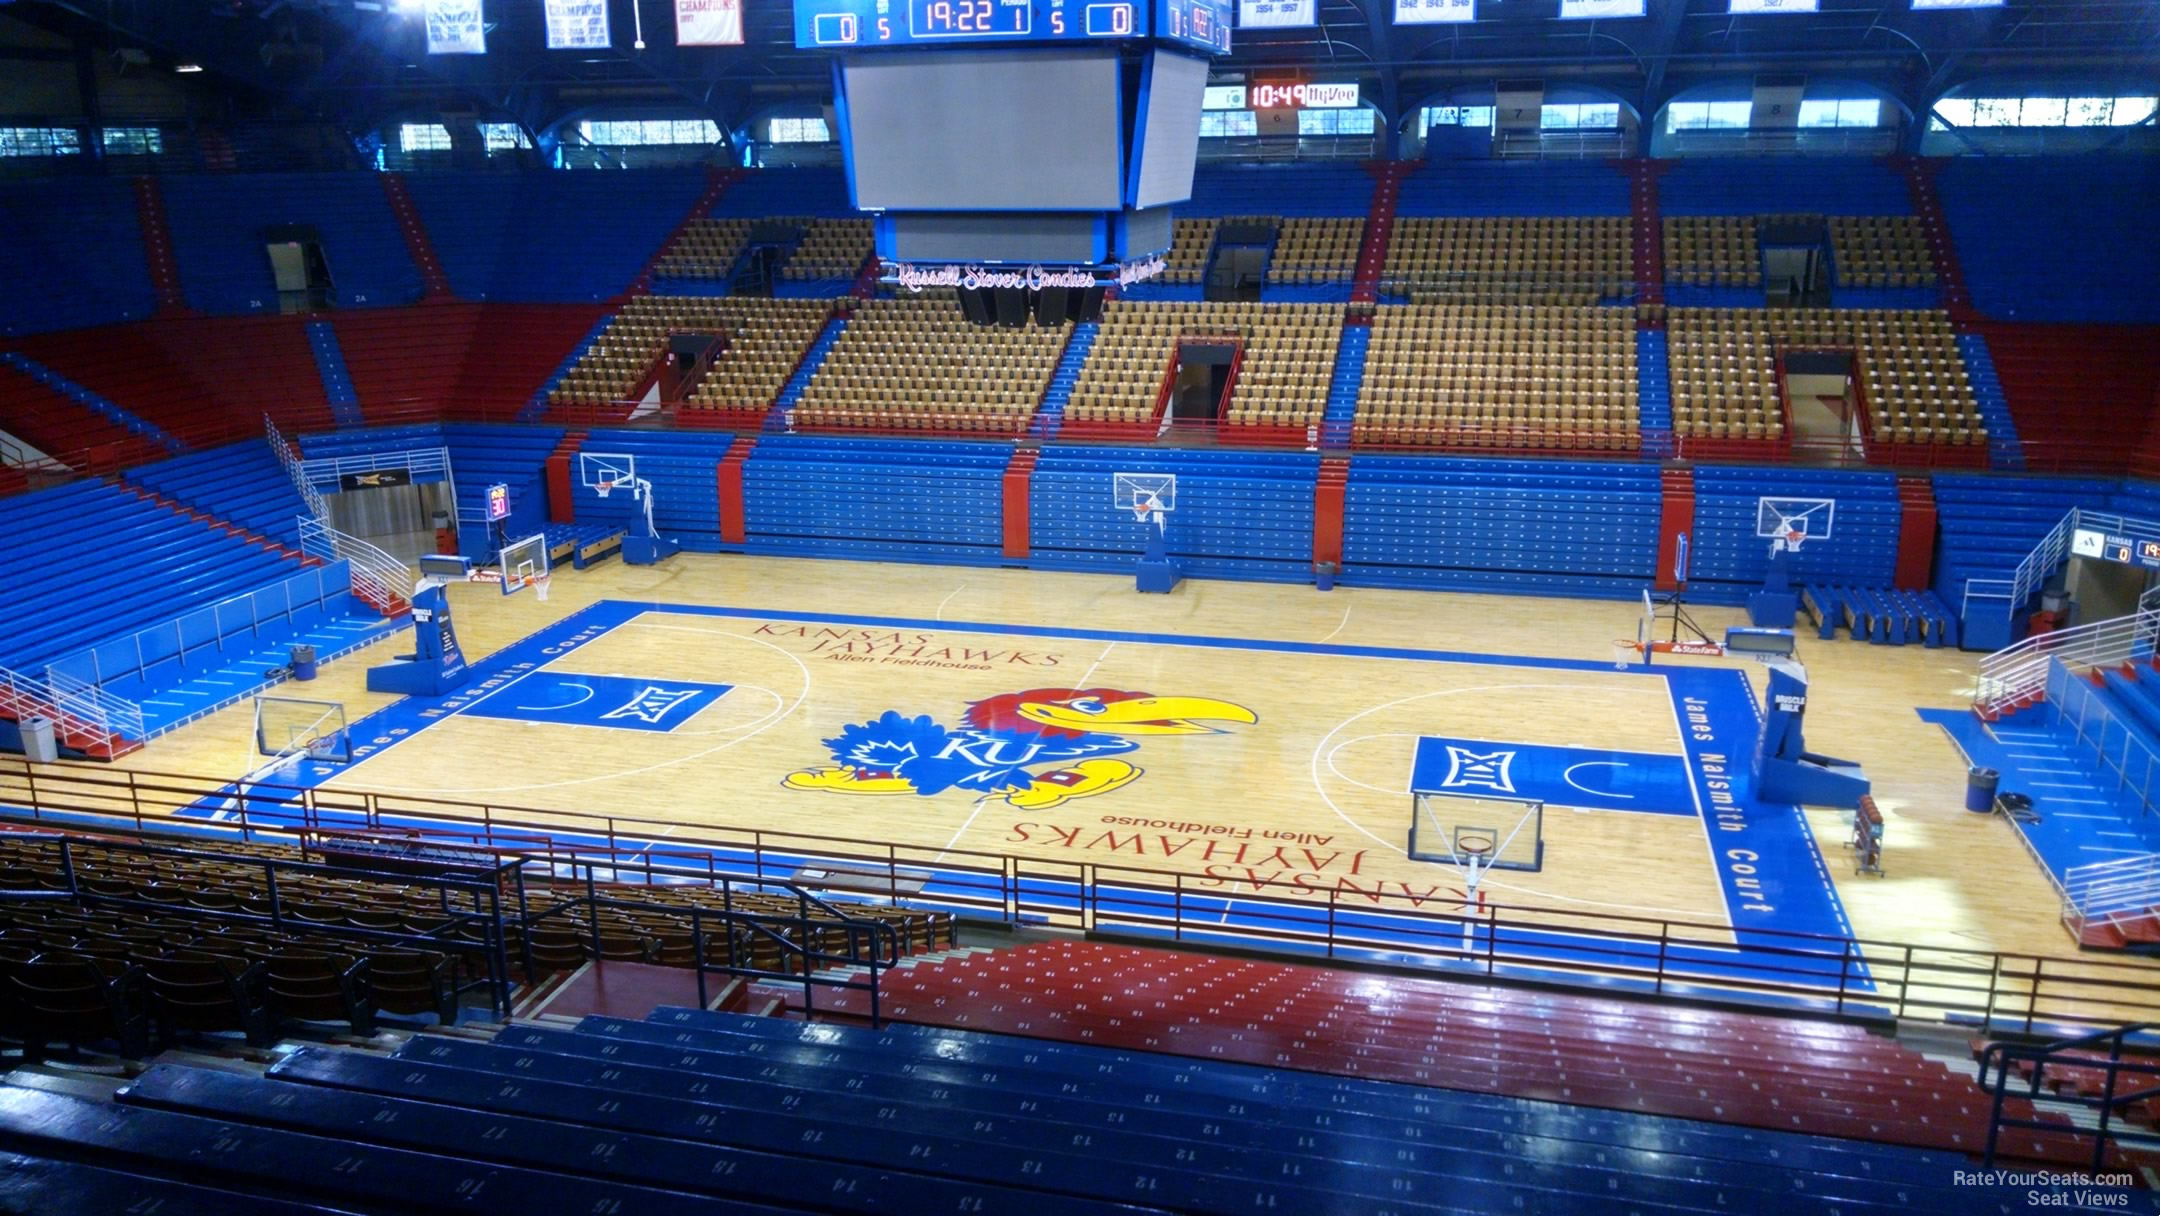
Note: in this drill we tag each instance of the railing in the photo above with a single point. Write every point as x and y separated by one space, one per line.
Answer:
288 458
2122 747
1649 955
2111 892
2052 551
2100 1051
103 713
422 463
377 577
2019 673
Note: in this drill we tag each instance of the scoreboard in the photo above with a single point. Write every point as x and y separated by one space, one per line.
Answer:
851 25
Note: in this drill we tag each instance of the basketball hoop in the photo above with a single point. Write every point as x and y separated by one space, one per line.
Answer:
602 488
1141 508
1624 652
1476 848
1793 539
539 584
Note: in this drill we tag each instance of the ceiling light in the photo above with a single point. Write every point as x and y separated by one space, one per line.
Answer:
187 67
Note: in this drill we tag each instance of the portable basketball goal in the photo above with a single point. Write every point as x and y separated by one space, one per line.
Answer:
609 473
1151 497
1786 523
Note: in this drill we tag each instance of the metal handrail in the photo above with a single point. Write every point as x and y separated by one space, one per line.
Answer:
288 457
1846 976
2018 672
84 701
1999 1060
377 577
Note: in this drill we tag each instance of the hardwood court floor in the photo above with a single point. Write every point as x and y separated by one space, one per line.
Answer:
1323 766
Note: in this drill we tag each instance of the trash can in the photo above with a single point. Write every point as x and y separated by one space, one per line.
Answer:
302 661
39 746
1980 786
1324 575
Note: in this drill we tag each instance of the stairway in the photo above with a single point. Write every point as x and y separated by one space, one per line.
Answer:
1653 392
158 247
1372 252
1343 385
798 383
2005 453
1927 204
83 730
112 411
1648 236
336 380
1051 414
434 284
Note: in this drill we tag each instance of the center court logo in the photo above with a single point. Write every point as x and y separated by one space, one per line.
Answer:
1469 770
1034 749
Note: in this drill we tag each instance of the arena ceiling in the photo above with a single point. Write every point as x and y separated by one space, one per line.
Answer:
353 59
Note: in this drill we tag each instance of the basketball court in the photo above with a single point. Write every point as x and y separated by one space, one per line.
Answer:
1250 739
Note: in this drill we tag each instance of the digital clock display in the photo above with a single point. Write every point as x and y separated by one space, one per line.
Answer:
866 24
970 18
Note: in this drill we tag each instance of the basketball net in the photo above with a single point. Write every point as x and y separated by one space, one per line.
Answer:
539 584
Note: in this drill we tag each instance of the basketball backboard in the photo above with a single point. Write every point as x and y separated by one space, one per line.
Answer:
603 472
288 727
524 563
1144 491
1779 518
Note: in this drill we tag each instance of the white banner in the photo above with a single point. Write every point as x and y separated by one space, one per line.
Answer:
708 22
577 25
454 27
1921 5
1432 12
1575 9
1277 14
1774 6
1223 97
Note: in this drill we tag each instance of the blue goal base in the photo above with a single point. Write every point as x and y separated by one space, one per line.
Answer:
648 550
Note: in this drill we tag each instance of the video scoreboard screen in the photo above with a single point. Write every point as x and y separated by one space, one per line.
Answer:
847 25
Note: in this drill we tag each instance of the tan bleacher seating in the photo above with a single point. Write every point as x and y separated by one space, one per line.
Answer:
1501 376
766 339
1712 251
401 977
1189 245
830 249
918 364
1867 250
1316 250
1725 371
705 249
1575 260
1881 251
1289 355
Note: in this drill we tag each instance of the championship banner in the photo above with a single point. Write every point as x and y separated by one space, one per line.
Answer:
577 25
454 27
708 23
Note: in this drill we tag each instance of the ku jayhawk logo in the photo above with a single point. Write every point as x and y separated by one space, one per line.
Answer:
1034 749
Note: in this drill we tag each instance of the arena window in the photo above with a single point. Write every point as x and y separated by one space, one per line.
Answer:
1229 124
39 141
651 132
2042 112
1455 116
1861 112
1584 116
798 131
423 137
1335 122
1708 116
133 141
504 136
